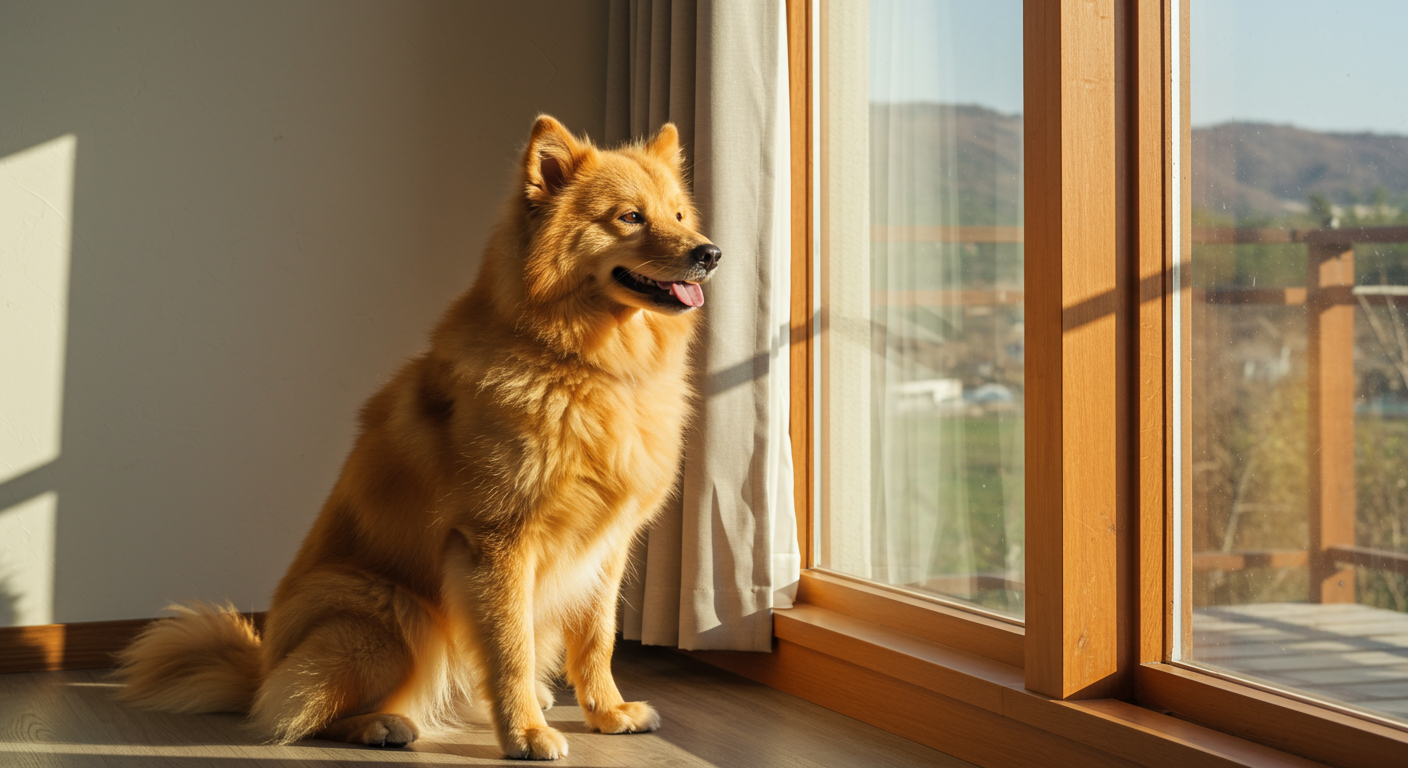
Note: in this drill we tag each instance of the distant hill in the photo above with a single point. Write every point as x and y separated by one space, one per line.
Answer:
983 165
1245 171
1262 170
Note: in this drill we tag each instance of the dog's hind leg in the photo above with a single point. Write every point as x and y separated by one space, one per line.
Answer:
378 729
334 682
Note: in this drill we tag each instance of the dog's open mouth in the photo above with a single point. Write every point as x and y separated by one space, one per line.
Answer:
670 294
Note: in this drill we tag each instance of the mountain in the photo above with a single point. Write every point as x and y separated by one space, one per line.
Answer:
919 178
1255 170
1241 171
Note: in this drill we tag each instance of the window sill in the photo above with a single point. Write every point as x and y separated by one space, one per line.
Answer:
993 638
977 708
1283 722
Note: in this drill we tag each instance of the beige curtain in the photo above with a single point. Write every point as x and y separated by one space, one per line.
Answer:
707 575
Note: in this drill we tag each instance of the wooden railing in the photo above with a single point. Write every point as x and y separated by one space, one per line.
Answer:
947 297
1330 296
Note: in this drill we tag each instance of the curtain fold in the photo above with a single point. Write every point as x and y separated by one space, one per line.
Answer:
724 552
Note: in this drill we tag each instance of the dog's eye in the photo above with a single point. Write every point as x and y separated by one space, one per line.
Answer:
633 217
679 217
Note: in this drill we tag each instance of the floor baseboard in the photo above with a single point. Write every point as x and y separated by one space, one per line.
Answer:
81 645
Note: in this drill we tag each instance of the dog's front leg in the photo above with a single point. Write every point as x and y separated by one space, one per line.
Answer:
591 636
494 591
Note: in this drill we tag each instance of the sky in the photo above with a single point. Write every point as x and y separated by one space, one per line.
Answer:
1326 66
952 51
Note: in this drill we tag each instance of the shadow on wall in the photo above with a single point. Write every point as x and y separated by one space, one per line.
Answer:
270 204
9 601
20 652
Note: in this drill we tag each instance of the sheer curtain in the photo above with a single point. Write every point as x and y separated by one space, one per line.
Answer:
945 284
724 553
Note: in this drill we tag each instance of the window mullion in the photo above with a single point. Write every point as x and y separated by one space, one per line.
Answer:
1072 345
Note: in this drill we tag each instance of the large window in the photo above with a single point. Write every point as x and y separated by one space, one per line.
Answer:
1105 384
1296 339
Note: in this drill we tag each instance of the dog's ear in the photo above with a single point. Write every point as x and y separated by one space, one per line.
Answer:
553 157
666 145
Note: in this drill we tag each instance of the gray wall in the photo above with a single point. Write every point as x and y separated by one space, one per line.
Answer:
271 204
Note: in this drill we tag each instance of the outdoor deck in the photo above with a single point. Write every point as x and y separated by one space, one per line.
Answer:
1348 653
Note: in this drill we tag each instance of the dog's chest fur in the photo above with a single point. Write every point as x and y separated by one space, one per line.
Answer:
597 445
592 458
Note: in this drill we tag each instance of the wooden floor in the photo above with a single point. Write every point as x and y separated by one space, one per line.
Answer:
1347 653
709 718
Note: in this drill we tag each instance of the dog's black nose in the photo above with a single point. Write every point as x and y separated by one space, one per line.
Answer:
707 255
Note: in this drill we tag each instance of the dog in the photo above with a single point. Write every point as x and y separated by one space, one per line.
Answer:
473 547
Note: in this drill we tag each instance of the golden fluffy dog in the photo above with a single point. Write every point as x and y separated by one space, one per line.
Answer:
473 547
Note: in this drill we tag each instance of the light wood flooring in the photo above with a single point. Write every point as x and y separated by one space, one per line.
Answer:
1346 653
709 718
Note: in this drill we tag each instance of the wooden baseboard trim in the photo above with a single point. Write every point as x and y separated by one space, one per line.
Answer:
81 645
51 647
971 707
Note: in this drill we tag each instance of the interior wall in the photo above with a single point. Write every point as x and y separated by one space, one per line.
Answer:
268 205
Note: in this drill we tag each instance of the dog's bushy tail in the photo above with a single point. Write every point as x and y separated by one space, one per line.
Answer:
203 659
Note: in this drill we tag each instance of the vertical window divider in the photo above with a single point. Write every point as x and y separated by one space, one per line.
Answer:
1180 300
1151 470
799 79
1073 403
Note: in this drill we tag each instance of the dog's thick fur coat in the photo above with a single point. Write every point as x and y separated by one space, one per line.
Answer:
474 544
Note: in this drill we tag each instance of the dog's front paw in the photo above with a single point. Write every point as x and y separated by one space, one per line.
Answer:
626 717
538 743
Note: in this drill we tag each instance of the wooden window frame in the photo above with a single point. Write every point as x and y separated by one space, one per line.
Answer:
1083 682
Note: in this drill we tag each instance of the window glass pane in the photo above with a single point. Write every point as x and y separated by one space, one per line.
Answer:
1297 350
920 286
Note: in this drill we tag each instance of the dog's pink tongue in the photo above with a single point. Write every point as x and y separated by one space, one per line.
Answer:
689 294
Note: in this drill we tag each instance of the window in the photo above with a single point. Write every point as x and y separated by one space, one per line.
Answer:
1297 394
1148 353
919 288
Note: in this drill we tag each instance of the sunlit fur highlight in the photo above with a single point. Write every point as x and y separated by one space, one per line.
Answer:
473 547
